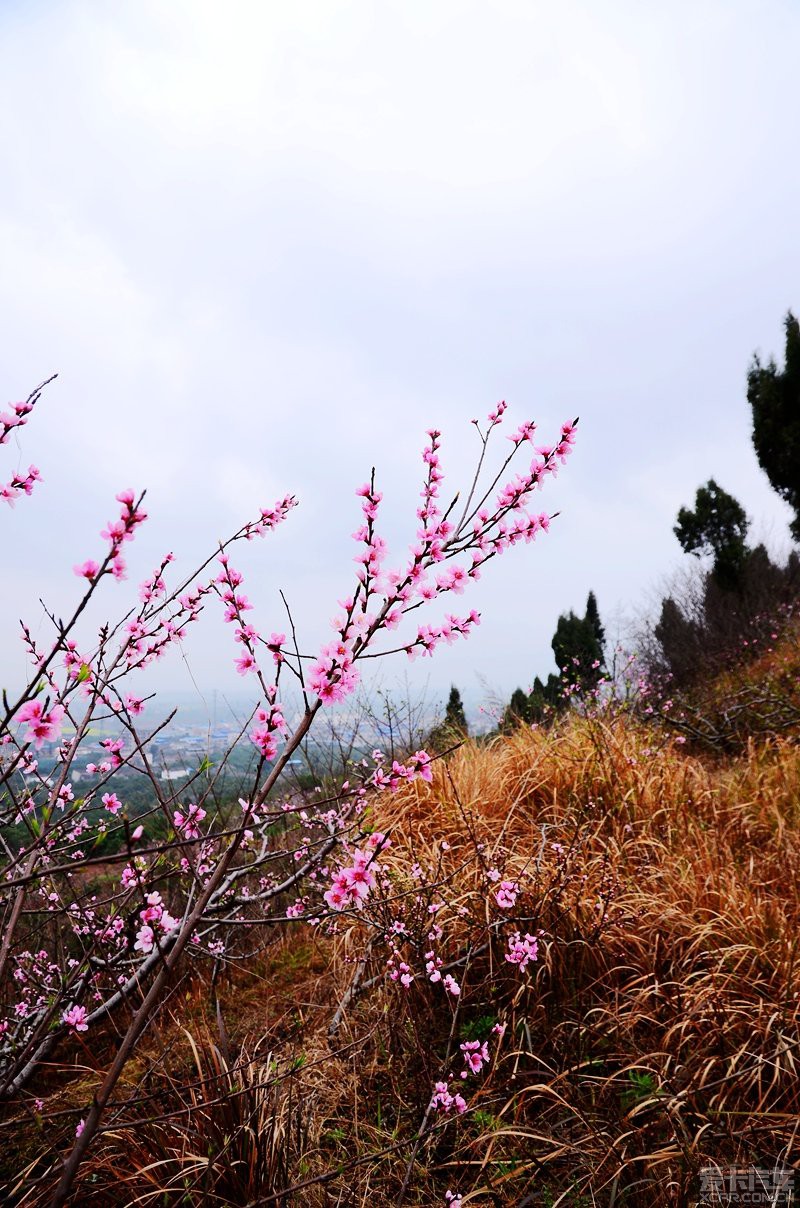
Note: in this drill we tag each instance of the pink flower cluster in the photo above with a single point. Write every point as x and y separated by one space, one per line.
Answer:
370 560
20 484
351 886
155 587
433 968
270 518
476 1055
506 894
333 676
17 417
113 748
433 965
43 725
74 661
417 768
430 636
522 950
433 530
400 972
146 641
132 874
271 723
188 822
155 914
451 985
236 603
75 1018
443 1101
117 532
480 534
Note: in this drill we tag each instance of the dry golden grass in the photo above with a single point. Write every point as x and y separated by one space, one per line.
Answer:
664 1037
657 1033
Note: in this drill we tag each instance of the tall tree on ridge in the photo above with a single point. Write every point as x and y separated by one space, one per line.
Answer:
717 526
455 719
774 398
578 646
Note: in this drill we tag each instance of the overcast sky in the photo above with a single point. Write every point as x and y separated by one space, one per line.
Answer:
265 246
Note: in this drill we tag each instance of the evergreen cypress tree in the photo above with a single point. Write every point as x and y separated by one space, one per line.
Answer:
453 728
717 526
680 640
455 718
578 646
593 616
517 711
774 397
578 649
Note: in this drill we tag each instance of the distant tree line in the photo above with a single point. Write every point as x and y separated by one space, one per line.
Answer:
578 648
733 605
728 609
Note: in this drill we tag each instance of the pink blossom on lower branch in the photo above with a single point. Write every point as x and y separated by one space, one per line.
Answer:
476 1055
521 951
352 885
418 767
75 1018
443 1101
145 939
506 894
451 985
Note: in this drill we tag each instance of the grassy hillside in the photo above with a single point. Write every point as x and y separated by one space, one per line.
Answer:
656 1032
